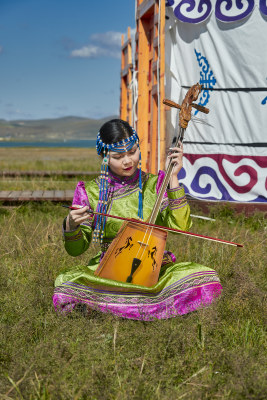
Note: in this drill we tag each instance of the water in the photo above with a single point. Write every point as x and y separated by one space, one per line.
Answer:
67 143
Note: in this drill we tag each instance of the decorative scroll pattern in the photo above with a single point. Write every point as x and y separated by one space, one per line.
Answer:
225 177
229 10
207 80
189 11
196 11
263 6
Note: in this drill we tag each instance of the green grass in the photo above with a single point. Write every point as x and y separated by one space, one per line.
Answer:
28 183
46 159
215 353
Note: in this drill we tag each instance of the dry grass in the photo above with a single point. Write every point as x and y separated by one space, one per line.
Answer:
215 353
48 159
218 352
28 183
45 159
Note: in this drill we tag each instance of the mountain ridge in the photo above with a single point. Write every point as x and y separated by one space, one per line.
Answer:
63 128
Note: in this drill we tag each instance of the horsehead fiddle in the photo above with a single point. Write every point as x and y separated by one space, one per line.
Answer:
135 254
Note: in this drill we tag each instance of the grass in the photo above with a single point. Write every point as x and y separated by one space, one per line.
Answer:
45 159
29 183
215 353
48 159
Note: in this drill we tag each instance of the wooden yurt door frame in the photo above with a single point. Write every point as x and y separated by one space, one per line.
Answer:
148 68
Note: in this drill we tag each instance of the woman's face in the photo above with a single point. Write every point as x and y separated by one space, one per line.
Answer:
126 163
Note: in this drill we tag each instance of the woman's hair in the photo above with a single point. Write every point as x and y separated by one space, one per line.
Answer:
115 130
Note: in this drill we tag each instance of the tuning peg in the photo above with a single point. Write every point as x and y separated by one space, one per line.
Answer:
171 103
198 107
201 108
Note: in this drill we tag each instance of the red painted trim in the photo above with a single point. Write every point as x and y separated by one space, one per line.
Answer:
261 161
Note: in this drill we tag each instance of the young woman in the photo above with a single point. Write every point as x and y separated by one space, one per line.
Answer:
124 190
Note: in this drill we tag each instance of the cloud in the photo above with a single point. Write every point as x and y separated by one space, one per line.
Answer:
106 44
107 39
89 51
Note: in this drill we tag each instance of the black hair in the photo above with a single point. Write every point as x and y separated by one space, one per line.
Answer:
115 130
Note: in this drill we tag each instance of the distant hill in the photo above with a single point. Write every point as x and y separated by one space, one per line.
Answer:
51 129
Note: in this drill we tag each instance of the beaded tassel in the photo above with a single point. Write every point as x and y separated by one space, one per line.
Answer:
140 203
103 199
120 147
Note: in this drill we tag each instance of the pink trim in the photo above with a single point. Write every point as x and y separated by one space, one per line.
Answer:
168 252
178 304
161 175
80 197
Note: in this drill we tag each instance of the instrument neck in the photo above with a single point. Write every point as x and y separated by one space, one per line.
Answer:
166 181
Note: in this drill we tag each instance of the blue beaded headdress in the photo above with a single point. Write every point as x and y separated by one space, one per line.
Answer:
104 148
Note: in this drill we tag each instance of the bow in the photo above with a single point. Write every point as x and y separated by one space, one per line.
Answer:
173 230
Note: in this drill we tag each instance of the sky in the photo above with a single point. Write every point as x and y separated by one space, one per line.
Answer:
61 57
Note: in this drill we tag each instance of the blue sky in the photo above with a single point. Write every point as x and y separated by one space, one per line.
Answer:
61 57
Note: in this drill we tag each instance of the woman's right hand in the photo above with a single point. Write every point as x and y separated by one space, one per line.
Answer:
76 217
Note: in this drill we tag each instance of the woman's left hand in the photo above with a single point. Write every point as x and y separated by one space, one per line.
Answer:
176 157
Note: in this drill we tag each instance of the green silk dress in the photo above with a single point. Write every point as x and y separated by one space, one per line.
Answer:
182 287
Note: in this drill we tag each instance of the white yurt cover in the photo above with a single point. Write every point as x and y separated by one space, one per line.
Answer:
223 45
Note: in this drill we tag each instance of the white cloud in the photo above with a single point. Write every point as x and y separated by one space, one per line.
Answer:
107 39
89 51
107 44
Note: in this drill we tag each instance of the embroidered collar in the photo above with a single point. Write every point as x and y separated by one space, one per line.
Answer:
115 180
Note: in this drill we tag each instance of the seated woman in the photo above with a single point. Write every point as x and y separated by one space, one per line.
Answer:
124 190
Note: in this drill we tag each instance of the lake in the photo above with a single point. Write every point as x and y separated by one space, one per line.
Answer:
67 143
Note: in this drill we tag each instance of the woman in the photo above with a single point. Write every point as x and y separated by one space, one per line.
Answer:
124 190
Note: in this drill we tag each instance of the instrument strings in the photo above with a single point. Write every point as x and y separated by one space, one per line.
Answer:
162 189
145 241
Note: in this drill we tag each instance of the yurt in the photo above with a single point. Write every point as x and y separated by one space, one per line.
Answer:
222 45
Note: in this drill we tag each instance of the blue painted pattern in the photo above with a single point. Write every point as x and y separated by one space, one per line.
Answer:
207 80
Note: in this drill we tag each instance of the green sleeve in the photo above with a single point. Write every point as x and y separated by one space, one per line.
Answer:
77 242
175 211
